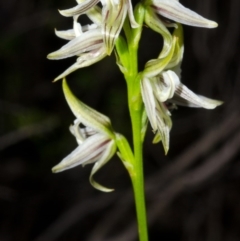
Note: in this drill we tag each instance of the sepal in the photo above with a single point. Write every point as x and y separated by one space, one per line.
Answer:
113 19
164 125
178 50
175 11
89 41
81 8
156 66
106 156
152 20
86 115
85 60
139 14
88 152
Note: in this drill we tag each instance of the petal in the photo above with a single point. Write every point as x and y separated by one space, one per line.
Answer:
79 9
164 124
85 42
106 156
75 130
132 20
175 11
84 60
88 152
77 29
87 131
77 26
86 115
165 86
149 102
185 97
179 48
81 133
67 34
113 19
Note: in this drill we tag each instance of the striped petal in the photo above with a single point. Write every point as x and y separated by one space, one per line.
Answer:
84 60
149 102
81 8
88 152
113 18
88 41
109 151
66 34
183 95
132 20
175 11
164 124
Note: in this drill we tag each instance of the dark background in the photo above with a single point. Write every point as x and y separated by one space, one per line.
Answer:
193 194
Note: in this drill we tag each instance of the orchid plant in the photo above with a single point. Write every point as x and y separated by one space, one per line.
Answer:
152 92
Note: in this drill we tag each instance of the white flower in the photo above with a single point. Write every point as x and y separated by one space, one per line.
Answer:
96 141
91 43
161 85
164 88
157 112
113 16
86 42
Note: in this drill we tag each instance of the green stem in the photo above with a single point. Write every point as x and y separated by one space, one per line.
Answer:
138 178
136 110
127 50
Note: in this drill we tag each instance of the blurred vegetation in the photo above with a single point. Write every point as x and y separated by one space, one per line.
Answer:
192 194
